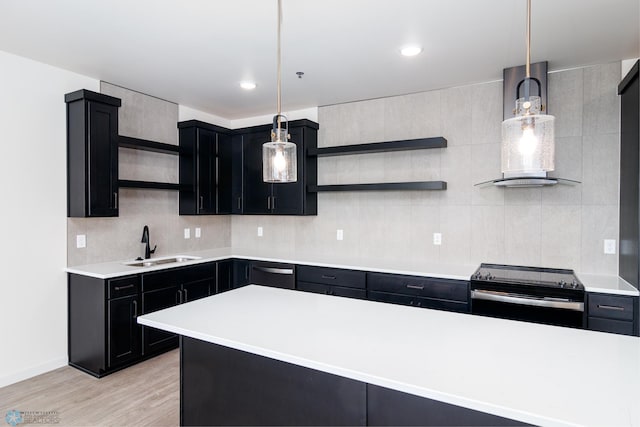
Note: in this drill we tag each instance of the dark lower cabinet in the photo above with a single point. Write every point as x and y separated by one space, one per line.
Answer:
224 276
224 386
241 269
103 332
332 281
167 288
612 313
426 292
123 330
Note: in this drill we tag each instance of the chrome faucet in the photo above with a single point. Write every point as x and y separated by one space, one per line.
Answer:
145 240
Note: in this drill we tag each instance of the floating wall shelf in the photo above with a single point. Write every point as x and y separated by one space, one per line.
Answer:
143 144
148 185
387 186
380 147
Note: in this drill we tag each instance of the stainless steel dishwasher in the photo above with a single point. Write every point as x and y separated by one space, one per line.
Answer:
275 274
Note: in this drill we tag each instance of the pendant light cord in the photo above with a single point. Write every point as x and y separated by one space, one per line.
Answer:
528 68
279 63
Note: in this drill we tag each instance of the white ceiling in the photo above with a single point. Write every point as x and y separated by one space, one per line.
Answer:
195 52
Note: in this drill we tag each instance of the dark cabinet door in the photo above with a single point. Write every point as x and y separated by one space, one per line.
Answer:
257 193
237 174
92 154
241 269
196 290
123 331
103 160
224 276
224 175
287 197
206 172
155 339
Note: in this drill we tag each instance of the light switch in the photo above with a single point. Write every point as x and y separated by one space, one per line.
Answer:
259 231
198 232
81 241
339 235
437 238
609 246
187 233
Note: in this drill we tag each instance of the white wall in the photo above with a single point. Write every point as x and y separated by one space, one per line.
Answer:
33 306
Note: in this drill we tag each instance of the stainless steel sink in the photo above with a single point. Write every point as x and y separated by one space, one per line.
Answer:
160 261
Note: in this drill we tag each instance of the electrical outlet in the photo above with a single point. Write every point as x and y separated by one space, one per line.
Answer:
437 238
609 246
198 232
187 233
81 241
339 235
259 231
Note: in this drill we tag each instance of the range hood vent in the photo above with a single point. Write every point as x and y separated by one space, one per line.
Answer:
527 181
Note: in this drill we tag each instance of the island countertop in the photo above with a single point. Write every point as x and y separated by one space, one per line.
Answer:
544 375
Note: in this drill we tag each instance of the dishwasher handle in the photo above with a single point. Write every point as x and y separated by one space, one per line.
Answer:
272 270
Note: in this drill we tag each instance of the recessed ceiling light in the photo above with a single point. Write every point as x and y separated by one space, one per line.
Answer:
247 85
410 50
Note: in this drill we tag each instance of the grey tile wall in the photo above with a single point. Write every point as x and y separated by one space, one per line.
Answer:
560 226
110 239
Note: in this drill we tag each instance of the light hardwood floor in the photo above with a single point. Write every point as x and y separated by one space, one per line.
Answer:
147 394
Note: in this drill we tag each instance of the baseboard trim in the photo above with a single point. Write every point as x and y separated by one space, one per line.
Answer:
32 371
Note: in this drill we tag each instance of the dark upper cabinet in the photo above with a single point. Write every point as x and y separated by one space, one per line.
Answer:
92 154
259 197
205 169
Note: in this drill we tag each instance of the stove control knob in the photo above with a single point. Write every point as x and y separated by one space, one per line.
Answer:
574 284
488 276
562 283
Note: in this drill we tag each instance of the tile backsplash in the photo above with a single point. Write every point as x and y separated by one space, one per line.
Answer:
560 226
110 239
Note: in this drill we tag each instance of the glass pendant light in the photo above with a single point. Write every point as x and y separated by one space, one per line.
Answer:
279 155
528 138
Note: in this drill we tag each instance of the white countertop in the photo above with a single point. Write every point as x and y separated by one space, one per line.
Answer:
545 375
108 270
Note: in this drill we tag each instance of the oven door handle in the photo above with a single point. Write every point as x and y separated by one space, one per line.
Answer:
523 300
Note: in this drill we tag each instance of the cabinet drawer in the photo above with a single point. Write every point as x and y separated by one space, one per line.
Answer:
414 301
340 291
609 325
123 287
332 276
454 290
611 307
176 276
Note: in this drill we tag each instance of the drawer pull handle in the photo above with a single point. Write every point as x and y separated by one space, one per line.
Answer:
610 307
122 288
419 287
271 270
324 276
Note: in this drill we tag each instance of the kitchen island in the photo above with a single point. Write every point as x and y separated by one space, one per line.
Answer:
485 370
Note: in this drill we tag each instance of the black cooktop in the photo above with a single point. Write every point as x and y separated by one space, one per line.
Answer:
532 276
